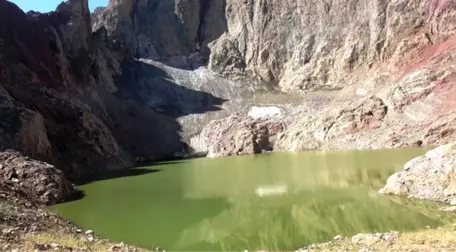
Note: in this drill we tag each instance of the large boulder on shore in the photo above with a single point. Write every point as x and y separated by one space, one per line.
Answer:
34 181
431 177
237 135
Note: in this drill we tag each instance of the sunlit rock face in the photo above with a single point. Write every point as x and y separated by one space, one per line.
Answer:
389 61
427 177
237 135
307 45
299 45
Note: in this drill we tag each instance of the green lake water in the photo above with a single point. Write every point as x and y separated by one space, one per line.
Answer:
276 201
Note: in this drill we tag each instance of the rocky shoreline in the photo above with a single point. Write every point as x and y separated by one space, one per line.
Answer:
25 223
365 242
438 239
27 186
27 226
428 177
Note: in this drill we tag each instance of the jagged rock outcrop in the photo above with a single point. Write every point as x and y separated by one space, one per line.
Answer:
430 177
44 60
237 135
323 129
156 29
305 45
60 94
38 182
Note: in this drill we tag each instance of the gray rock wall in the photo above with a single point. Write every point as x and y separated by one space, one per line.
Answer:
297 45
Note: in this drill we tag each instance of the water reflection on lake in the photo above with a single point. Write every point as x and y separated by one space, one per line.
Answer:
273 201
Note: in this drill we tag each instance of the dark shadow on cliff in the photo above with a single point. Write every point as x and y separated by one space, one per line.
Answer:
74 196
176 29
95 129
107 175
154 88
143 113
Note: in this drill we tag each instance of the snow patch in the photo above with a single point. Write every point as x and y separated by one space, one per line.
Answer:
265 112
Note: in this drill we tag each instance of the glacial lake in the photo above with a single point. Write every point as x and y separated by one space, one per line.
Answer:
274 201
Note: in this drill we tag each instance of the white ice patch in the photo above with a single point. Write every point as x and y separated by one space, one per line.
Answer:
265 112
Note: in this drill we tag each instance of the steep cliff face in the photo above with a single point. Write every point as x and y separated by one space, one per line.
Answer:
58 94
391 62
157 29
304 45
299 45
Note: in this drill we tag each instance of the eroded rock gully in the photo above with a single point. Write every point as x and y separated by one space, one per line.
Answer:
142 78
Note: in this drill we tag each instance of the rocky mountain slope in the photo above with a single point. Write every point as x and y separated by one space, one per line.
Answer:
141 78
389 63
76 98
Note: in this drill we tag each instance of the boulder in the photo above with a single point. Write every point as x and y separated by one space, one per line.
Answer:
431 177
238 135
36 181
